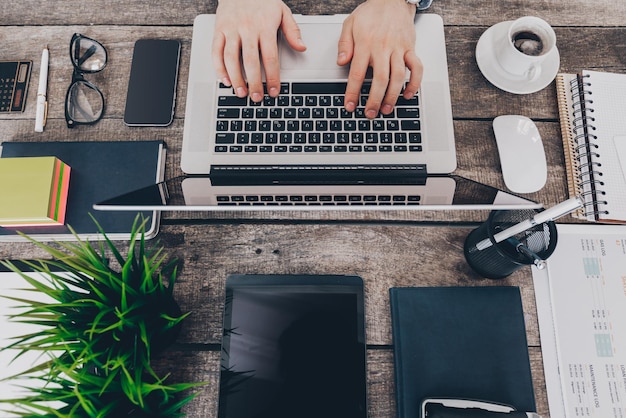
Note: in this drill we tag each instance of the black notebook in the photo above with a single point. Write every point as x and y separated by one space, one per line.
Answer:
100 170
460 342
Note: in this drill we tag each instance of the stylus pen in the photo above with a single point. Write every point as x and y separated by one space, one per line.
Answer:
550 214
42 103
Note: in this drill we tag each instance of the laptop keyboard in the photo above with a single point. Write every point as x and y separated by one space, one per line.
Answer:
317 200
310 118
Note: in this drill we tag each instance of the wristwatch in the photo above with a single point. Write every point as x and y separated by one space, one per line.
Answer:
421 4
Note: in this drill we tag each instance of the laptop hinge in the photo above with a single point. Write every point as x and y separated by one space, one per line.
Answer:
321 172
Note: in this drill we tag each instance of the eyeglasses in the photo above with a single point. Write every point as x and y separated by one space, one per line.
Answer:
84 102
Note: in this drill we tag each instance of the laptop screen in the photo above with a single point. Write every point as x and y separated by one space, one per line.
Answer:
203 193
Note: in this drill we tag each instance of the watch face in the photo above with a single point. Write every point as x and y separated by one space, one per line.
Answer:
422 4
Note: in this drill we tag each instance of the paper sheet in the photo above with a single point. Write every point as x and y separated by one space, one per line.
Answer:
581 305
11 284
620 148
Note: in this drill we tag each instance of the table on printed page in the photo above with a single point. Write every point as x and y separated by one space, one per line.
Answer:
386 248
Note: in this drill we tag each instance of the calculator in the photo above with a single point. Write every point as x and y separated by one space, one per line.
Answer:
14 78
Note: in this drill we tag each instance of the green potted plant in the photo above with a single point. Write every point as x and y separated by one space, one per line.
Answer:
79 393
100 331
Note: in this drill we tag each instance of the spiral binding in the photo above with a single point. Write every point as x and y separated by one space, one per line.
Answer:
578 147
568 144
591 163
582 125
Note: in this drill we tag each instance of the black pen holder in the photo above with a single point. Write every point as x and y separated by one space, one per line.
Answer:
500 259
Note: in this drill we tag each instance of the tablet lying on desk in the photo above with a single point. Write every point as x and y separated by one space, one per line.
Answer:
293 346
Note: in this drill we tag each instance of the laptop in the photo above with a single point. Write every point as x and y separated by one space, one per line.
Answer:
223 133
227 169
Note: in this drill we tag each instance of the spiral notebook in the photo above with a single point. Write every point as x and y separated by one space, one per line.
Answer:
592 106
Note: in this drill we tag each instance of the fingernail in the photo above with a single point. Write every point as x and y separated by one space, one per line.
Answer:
256 97
240 92
341 56
371 114
350 106
273 92
226 81
386 109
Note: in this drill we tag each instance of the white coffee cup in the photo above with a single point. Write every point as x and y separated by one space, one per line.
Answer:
525 46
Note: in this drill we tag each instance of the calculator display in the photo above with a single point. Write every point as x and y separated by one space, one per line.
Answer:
14 78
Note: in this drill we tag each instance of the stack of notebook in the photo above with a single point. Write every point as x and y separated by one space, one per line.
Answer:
100 170
34 191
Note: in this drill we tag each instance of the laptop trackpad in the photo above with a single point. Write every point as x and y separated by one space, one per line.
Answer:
321 53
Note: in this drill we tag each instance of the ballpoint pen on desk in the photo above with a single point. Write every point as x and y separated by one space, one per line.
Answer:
550 214
42 102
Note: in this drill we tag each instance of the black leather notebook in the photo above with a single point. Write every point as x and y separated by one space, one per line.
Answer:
100 170
460 342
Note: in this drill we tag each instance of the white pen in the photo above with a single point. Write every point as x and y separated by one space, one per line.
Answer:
42 102
550 214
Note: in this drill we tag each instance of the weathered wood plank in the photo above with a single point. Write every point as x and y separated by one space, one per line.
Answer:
384 256
180 12
27 43
472 95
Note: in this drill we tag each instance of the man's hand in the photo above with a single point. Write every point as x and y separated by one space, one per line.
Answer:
245 30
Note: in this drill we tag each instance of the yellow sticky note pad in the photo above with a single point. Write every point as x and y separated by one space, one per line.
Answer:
33 191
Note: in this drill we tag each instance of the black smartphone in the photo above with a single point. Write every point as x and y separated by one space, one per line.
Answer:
152 83
293 346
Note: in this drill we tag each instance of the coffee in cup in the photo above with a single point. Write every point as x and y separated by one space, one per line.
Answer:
527 42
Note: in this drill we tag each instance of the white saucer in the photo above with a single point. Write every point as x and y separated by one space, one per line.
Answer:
502 79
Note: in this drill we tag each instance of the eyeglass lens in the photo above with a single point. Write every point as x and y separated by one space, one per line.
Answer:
88 55
85 102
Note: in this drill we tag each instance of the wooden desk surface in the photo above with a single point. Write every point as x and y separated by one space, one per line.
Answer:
385 248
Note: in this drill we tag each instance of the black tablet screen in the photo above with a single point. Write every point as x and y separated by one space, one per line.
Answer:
293 346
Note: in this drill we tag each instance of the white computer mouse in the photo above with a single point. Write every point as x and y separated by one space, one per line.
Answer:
522 157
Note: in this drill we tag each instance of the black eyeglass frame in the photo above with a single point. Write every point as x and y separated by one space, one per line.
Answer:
78 77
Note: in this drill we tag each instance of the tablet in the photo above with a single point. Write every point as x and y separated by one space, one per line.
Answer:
293 346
